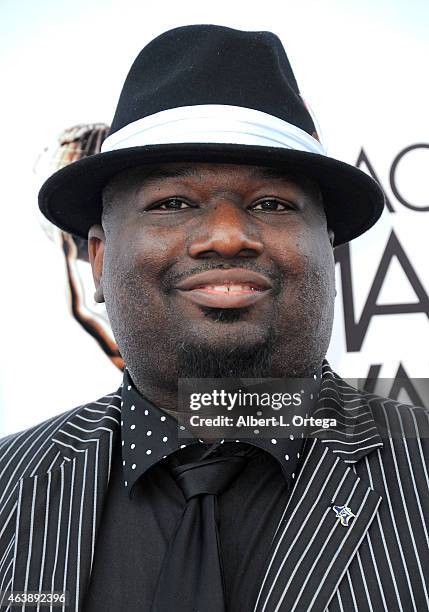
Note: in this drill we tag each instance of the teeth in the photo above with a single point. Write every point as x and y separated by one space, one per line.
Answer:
228 288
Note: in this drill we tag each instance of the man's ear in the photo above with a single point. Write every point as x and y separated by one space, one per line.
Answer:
96 241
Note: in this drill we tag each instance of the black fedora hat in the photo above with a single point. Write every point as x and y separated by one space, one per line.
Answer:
214 94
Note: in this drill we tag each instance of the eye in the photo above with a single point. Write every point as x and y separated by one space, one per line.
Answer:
172 204
272 205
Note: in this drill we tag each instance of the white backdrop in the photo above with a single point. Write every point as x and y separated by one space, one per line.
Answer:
362 66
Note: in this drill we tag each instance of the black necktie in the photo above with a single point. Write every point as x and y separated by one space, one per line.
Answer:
191 577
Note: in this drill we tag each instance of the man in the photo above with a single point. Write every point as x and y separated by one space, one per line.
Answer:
211 214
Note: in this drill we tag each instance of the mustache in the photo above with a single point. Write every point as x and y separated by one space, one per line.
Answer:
171 277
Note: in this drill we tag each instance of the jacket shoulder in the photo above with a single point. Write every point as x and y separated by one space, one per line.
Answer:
33 448
397 419
394 419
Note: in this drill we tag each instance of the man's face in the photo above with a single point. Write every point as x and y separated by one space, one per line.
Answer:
215 264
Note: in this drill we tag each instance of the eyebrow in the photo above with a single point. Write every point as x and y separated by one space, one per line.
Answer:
188 172
162 173
273 173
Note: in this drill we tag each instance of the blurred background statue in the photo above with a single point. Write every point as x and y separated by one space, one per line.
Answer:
73 144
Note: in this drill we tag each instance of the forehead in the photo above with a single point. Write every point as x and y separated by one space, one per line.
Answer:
194 173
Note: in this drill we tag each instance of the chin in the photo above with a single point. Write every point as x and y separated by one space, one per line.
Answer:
227 328
226 348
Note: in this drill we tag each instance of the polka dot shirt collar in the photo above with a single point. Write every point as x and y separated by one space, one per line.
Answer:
149 435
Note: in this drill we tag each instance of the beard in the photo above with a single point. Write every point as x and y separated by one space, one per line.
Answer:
199 361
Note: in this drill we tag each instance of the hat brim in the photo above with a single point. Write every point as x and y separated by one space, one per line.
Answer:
72 197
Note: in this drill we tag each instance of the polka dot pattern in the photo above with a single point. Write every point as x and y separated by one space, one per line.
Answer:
148 436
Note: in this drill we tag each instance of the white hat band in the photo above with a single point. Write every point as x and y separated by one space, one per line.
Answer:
212 124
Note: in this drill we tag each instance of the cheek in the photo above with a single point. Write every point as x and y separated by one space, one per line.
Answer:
318 286
307 262
141 253
298 247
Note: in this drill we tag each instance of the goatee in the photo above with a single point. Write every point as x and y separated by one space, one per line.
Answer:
202 361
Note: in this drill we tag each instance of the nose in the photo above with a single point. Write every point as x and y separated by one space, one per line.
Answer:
225 231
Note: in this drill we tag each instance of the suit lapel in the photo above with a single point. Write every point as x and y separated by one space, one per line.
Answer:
311 549
59 511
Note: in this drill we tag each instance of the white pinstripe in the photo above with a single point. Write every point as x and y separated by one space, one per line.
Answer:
6 439
60 507
380 585
30 539
80 529
345 416
420 449
18 516
11 513
7 587
42 567
365 586
53 461
105 418
348 452
76 450
68 529
350 529
340 601
407 517
102 403
110 456
396 530
94 504
94 410
88 431
7 551
10 447
386 552
414 482
296 484
344 442
352 592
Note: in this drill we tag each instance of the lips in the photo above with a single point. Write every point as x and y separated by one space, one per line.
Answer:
232 288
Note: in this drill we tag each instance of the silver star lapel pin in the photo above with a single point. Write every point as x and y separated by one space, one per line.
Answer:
344 514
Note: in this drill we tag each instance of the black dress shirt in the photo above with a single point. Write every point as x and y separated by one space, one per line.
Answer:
144 505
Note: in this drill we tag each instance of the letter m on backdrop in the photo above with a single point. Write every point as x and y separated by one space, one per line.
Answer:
355 331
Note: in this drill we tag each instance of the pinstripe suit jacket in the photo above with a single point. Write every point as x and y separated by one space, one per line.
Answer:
54 477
